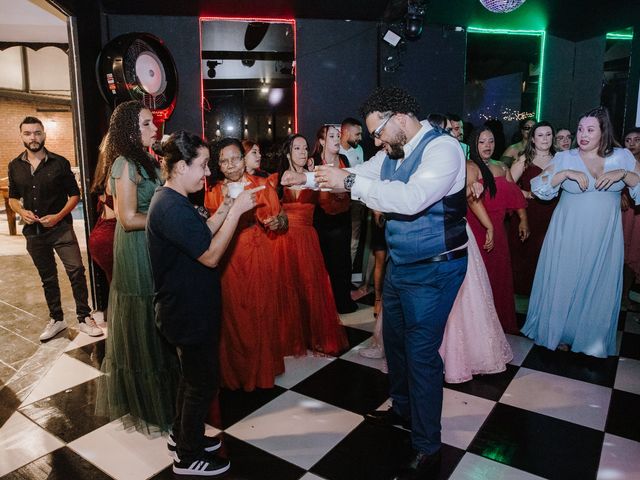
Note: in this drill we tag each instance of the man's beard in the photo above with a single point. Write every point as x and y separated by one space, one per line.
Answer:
397 152
352 143
32 149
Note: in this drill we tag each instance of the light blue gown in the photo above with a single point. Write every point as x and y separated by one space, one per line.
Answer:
577 288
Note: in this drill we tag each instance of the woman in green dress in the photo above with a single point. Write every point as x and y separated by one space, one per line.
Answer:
141 369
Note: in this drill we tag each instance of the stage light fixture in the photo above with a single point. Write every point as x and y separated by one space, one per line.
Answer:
211 65
414 21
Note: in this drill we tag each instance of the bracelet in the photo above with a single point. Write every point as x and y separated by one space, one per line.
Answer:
625 174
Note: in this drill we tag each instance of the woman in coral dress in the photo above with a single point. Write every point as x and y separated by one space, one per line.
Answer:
538 152
309 318
501 195
250 353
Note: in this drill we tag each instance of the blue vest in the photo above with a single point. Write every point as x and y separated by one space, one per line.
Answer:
437 229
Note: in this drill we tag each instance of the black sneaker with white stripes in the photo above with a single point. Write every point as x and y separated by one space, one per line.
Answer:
204 466
211 444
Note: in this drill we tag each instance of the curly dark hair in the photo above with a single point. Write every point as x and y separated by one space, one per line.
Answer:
487 176
390 99
124 139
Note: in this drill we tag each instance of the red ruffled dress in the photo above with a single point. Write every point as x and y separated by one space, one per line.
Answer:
250 353
308 315
498 261
524 255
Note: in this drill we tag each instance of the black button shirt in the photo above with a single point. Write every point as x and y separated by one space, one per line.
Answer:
46 191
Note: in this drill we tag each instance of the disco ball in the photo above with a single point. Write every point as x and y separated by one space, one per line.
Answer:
501 6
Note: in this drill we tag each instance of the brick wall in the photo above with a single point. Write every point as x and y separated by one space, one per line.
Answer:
58 126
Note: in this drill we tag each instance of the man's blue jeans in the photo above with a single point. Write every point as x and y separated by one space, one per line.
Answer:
417 299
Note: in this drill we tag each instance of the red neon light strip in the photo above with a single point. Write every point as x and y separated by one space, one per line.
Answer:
292 21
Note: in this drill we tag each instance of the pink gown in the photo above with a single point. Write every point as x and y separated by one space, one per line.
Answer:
474 343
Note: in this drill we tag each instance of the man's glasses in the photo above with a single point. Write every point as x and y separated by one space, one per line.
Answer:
527 128
378 131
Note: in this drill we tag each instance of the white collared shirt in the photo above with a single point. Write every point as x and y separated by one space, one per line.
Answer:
354 155
442 172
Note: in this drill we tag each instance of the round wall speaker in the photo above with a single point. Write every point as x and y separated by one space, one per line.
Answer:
138 66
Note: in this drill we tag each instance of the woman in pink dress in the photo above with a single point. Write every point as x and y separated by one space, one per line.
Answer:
501 195
474 343
308 315
631 230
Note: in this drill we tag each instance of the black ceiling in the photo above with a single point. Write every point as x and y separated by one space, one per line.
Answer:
571 19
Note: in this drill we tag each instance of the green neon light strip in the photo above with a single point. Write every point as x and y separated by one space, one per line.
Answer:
543 41
619 36
533 33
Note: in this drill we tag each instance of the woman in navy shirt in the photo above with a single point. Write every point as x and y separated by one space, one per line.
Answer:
185 249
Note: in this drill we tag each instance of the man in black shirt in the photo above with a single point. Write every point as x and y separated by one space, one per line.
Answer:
49 192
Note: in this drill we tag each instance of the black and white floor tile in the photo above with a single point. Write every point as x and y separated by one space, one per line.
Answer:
554 415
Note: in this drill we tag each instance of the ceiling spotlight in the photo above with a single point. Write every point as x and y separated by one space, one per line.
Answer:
414 21
211 65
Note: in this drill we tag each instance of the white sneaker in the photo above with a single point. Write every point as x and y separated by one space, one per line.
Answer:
52 329
89 327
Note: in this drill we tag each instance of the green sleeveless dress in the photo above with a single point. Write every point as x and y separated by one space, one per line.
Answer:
141 369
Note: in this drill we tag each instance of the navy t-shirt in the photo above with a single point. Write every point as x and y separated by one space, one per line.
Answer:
186 292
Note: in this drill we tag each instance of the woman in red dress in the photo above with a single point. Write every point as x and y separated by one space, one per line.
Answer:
538 152
308 313
501 195
250 353
101 236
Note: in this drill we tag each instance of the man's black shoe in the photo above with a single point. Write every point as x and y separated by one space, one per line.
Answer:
421 467
388 418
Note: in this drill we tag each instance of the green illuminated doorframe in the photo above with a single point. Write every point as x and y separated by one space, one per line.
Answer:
532 33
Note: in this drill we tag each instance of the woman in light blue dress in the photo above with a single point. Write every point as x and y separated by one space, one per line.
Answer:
575 299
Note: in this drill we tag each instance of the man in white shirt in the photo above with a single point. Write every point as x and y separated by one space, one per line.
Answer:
420 187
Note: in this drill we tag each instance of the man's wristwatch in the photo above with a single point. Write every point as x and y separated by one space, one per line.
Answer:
348 181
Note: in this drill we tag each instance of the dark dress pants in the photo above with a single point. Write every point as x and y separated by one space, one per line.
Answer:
417 301
61 239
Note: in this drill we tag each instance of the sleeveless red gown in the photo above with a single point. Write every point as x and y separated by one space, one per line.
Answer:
498 261
524 255
308 314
